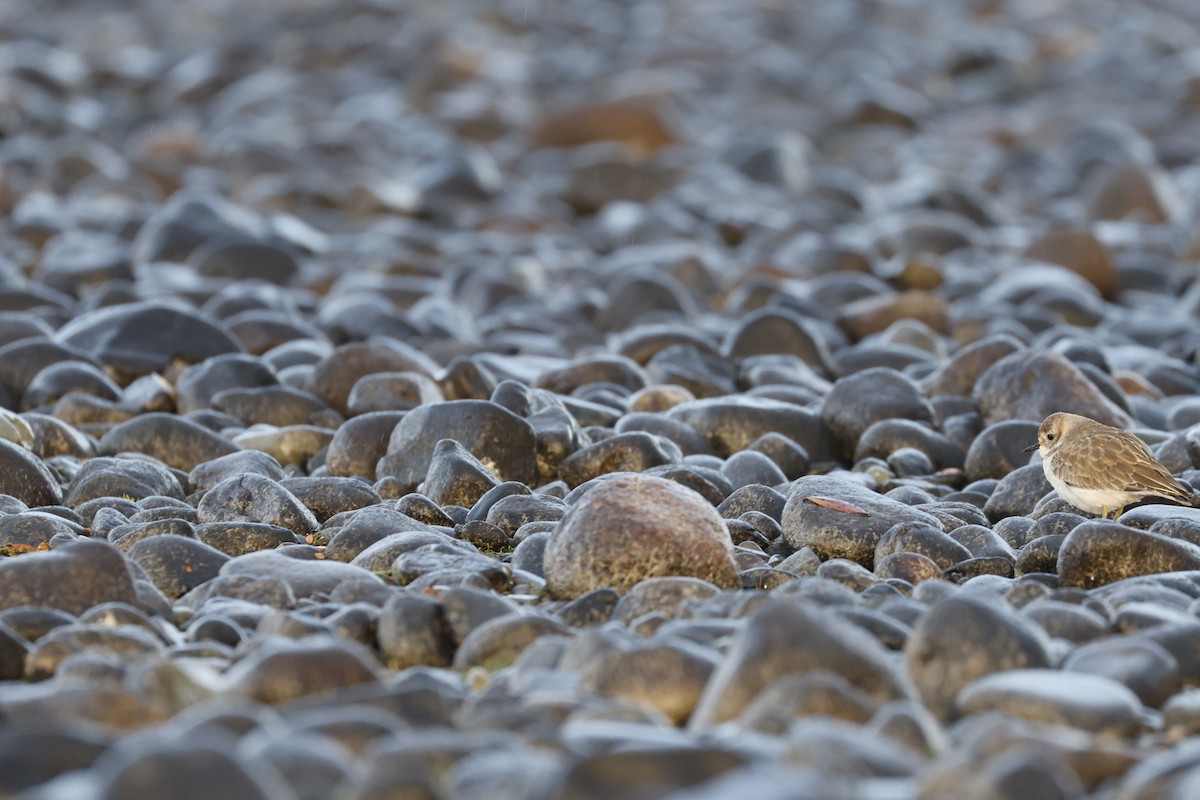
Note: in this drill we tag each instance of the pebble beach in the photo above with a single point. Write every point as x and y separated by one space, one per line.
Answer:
592 400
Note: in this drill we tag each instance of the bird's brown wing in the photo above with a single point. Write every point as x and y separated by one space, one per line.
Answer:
1116 462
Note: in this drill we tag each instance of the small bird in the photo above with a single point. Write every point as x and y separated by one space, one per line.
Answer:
1098 468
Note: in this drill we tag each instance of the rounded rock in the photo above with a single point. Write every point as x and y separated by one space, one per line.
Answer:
633 527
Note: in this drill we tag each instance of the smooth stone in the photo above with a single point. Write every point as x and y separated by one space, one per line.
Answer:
511 512
498 642
1067 621
501 440
392 391
665 596
238 538
177 564
1159 514
53 437
999 449
25 477
256 498
924 540
456 477
1080 251
791 457
304 577
1032 385
413 631
280 406
687 438
753 498
198 384
794 697
623 452
963 371
886 437
138 338
785 638
1143 665
367 526
664 677
839 518
73 578
1018 493
176 442
1098 552
963 638
749 468
359 443
327 496
280 673
335 375
632 527
212 472
1088 702
64 377
244 260
733 424
858 401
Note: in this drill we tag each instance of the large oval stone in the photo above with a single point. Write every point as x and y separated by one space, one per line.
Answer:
632 527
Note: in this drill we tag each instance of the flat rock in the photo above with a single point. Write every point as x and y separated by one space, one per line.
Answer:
73 578
139 338
173 440
304 577
839 518
731 424
1088 702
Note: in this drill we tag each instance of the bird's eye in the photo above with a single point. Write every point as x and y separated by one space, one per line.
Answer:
1049 437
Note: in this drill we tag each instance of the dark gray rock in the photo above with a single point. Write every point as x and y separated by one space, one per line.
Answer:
138 338
858 401
1087 702
208 474
786 638
176 442
177 564
1018 493
963 638
456 477
1097 552
999 449
359 444
25 477
304 577
501 440
1033 385
256 498
72 578
731 424
623 452
839 518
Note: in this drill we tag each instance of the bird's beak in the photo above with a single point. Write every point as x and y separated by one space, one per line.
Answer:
1031 448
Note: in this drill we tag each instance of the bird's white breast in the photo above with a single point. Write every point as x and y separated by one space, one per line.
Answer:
1093 501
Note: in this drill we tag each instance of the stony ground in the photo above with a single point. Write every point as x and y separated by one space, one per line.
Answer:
595 399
